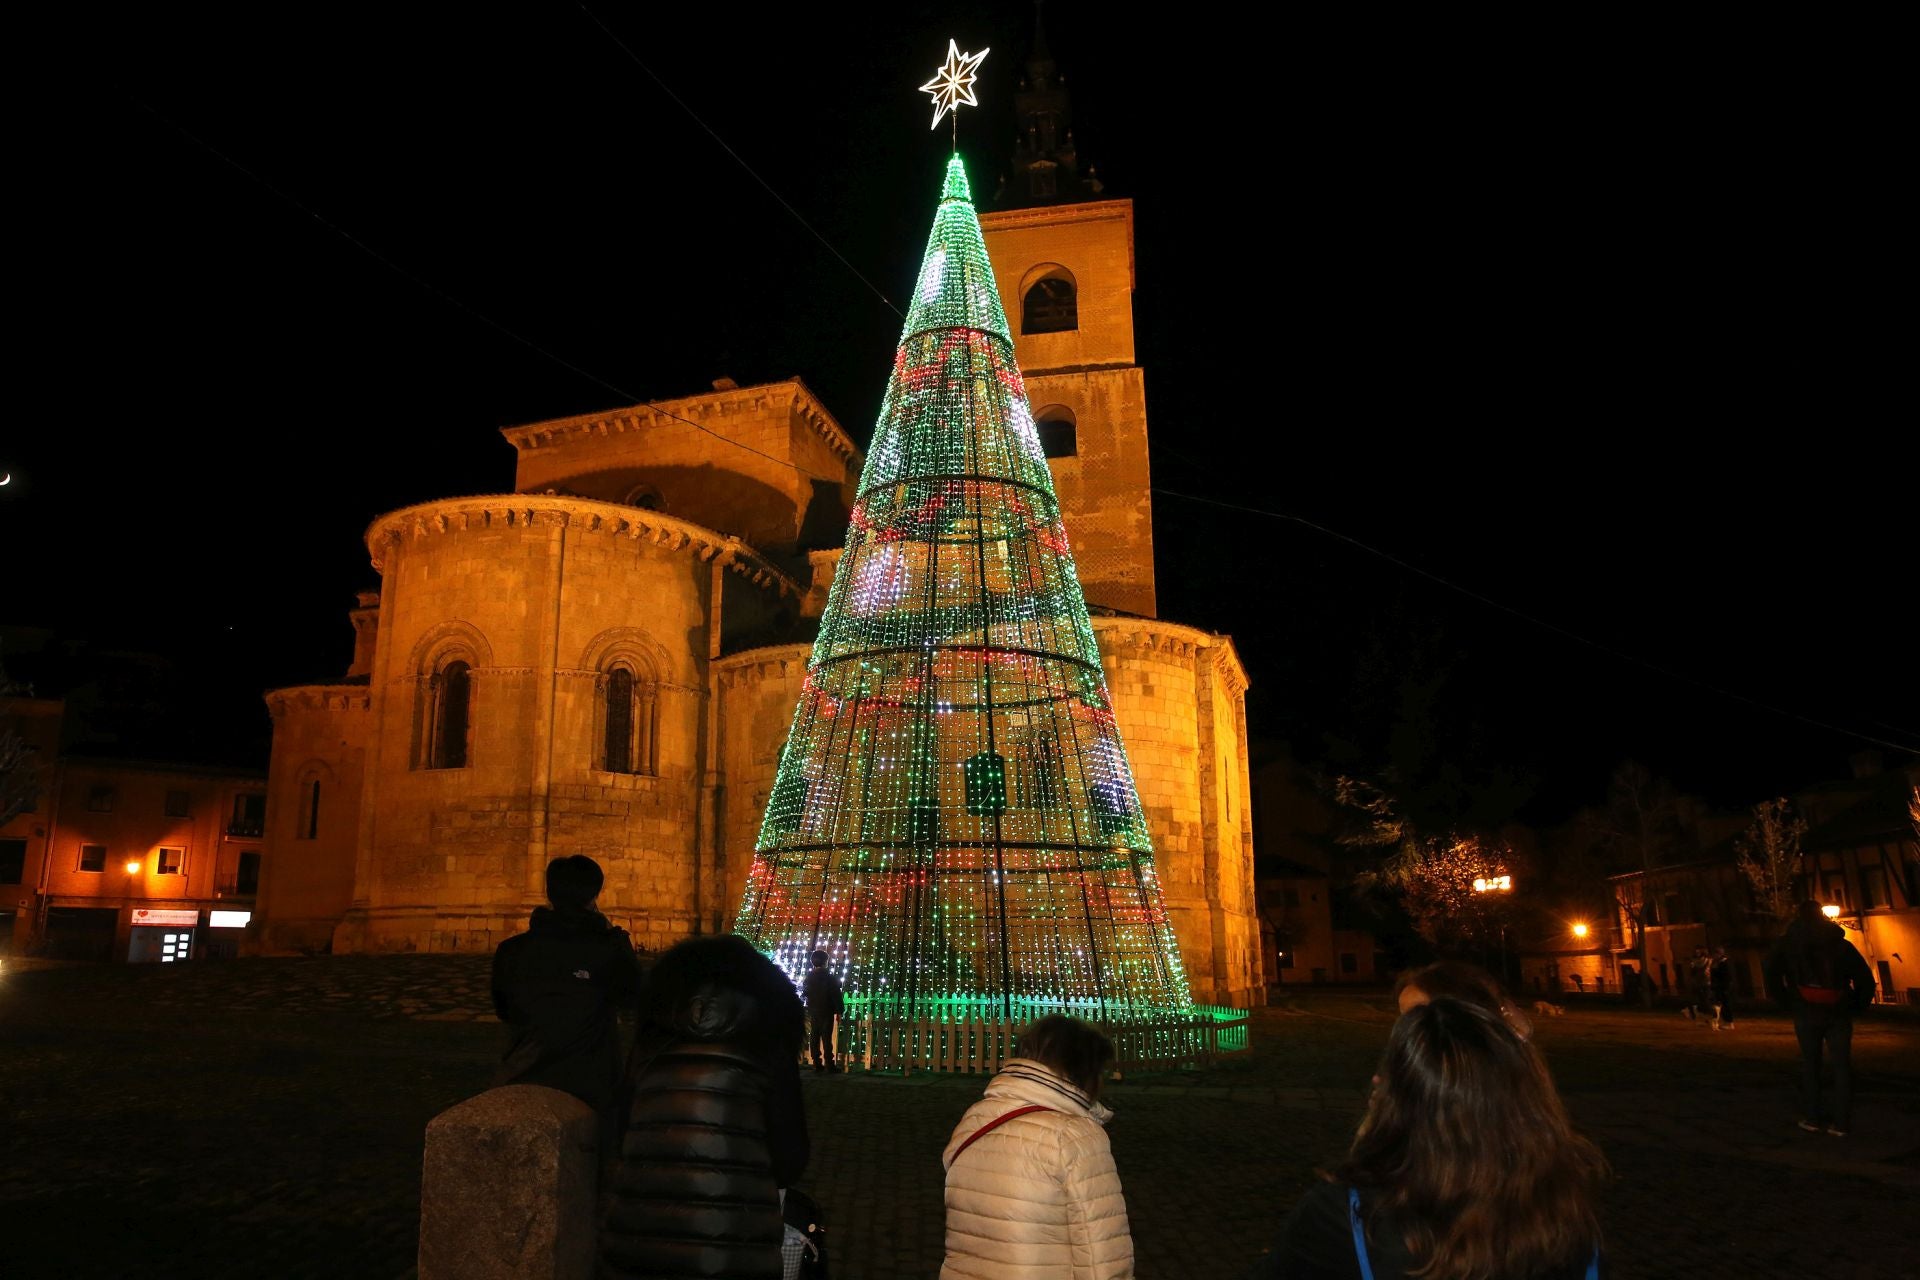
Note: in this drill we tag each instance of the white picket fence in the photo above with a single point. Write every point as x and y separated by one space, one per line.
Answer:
981 1044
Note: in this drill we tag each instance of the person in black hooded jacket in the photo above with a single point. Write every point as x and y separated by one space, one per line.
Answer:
559 986
716 1126
1816 973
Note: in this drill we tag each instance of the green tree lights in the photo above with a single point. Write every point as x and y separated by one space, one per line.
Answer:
953 820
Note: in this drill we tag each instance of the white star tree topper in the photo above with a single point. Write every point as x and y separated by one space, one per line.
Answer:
952 85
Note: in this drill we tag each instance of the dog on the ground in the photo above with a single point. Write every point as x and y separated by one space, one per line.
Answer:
1548 1008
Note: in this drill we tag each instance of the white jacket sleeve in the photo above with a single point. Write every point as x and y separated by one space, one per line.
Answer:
1097 1230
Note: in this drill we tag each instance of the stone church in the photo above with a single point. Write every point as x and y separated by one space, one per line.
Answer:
605 659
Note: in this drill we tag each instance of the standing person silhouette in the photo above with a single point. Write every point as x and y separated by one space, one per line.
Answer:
1816 973
825 1003
559 986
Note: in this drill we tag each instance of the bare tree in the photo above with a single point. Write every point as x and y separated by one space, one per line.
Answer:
1768 855
1641 825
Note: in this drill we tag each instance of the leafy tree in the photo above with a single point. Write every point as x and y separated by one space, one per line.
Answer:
1768 855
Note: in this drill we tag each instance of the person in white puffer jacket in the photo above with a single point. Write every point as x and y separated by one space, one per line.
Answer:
1032 1192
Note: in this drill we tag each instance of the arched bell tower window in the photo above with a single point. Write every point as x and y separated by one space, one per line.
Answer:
452 701
1049 300
629 717
1059 431
645 497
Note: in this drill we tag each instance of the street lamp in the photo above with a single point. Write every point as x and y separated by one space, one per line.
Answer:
1830 911
133 866
1497 884
1580 930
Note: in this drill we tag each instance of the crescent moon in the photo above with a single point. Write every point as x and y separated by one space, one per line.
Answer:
6 479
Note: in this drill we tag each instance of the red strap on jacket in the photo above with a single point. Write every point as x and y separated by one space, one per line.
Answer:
990 1125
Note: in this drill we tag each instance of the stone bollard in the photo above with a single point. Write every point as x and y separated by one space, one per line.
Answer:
507 1188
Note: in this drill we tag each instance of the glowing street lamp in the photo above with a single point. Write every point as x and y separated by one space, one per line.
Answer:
1580 929
1830 911
133 866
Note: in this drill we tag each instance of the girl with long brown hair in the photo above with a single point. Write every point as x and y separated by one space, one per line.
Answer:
1464 1168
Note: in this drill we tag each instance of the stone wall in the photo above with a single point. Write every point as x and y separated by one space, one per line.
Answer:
320 735
539 596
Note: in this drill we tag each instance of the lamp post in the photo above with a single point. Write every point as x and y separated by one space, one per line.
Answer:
1497 884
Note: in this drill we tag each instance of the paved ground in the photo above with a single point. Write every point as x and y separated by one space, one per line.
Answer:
264 1118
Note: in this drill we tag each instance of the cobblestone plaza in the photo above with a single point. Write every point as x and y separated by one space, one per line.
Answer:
265 1118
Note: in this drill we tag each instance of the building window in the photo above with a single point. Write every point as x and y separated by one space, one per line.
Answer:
13 861
93 857
249 815
645 497
1874 890
452 690
170 862
249 878
100 800
1833 889
1058 430
309 828
1051 303
1349 962
629 716
1286 959
179 804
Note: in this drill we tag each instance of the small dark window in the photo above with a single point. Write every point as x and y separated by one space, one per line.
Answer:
1059 437
179 804
310 820
170 862
645 497
13 861
93 857
100 800
620 721
1050 307
1873 888
249 878
1349 963
249 815
452 692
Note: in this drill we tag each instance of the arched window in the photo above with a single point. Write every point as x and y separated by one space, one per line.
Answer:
1049 300
452 696
628 719
309 828
645 496
1058 430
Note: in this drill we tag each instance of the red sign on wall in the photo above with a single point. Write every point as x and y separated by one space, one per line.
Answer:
143 916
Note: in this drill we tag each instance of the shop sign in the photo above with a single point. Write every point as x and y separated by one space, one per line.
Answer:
150 916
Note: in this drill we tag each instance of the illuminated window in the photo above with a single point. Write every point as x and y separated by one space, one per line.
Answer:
13 861
100 800
452 689
629 715
170 862
1051 303
93 857
179 804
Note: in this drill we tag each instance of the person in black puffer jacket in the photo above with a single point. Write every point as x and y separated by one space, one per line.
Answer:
716 1126
559 985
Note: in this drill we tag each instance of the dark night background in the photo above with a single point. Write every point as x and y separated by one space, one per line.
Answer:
1578 321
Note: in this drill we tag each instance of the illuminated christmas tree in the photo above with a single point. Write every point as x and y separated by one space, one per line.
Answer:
953 820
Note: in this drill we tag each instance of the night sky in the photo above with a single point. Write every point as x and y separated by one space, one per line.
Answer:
1575 331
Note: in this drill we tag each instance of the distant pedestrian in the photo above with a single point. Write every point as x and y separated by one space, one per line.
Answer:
1816 973
1465 1165
825 1003
1032 1190
559 986
716 1127
1699 988
1720 978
